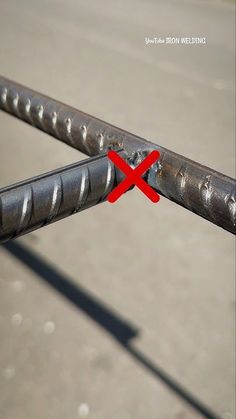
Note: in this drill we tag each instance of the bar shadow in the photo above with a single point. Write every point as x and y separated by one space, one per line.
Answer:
117 327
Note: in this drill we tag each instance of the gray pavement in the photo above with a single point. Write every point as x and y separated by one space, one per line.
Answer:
126 310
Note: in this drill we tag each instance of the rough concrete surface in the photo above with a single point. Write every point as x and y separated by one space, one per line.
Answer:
125 310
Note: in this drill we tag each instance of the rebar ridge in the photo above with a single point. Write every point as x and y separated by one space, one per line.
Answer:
63 122
41 200
200 189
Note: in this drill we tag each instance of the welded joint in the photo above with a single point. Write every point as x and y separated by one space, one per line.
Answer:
200 189
114 143
137 157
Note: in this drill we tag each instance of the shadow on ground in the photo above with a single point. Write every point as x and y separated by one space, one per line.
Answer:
121 330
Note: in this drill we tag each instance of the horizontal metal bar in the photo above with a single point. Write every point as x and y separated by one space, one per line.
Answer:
36 202
200 189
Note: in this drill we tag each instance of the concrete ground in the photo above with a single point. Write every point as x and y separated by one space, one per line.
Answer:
126 310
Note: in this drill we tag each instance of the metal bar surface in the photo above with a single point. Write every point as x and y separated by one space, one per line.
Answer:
36 202
198 188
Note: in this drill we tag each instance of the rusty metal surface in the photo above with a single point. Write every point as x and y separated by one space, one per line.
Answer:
41 200
200 189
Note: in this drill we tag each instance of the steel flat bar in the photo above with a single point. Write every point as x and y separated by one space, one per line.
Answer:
36 202
198 188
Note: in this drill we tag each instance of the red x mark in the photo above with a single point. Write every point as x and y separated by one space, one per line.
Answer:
133 176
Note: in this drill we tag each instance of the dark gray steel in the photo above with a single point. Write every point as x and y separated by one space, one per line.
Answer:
41 200
200 189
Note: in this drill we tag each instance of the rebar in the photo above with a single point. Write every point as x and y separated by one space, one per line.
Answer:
36 202
200 189
197 188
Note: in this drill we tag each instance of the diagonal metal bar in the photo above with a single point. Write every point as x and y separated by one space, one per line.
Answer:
36 202
200 189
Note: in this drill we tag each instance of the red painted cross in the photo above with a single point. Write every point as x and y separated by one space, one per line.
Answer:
133 176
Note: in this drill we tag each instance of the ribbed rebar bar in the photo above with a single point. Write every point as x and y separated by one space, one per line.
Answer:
200 189
36 202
